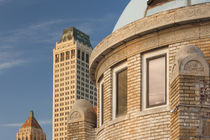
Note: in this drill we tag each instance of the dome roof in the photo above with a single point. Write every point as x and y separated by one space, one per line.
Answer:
138 9
82 110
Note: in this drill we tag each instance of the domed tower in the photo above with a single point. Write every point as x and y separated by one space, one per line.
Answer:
81 121
152 72
31 130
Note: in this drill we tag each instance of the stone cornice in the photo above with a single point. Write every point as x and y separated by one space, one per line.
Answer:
147 25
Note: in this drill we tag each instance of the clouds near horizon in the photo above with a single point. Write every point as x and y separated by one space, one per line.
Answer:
19 124
48 31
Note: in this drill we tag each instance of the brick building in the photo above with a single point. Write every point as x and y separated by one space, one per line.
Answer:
152 74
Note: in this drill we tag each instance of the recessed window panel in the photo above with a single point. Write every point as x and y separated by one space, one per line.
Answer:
78 54
87 58
156 80
121 92
102 103
62 56
83 56
72 53
67 55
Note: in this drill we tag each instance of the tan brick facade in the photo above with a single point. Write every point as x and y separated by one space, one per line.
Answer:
183 34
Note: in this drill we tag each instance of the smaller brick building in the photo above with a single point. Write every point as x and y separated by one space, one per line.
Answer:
81 121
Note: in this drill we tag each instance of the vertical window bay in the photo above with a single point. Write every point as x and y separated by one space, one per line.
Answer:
121 86
156 80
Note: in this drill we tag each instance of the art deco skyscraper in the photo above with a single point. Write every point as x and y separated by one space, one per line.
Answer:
70 77
31 130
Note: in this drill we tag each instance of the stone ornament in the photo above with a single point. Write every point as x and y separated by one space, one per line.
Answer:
82 110
75 116
190 60
194 66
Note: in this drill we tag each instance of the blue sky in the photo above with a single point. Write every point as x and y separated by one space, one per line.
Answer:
29 30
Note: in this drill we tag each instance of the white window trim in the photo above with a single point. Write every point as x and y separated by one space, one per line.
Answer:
100 109
114 97
144 77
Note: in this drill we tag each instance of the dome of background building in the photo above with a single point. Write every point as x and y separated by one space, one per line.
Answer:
138 9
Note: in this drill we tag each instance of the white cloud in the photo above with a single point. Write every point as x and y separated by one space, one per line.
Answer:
13 125
3 1
45 122
10 64
10 58
47 33
50 31
41 122
36 32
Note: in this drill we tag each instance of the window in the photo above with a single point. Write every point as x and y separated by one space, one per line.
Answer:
119 90
62 56
78 54
56 58
67 55
101 102
155 82
72 53
83 56
87 58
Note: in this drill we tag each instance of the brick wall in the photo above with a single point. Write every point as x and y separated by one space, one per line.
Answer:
192 113
81 131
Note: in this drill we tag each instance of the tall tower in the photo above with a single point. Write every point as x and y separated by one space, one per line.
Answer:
31 130
70 77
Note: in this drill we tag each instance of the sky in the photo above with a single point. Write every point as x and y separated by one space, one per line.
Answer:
29 30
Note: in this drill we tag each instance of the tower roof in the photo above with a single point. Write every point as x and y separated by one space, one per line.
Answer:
31 122
73 33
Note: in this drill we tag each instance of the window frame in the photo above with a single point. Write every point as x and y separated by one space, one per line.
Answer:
101 120
115 71
145 81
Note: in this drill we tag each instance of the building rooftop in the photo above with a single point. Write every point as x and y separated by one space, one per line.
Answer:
73 33
31 122
138 9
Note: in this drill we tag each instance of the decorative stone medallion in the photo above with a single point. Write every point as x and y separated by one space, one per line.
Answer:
75 116
194 67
